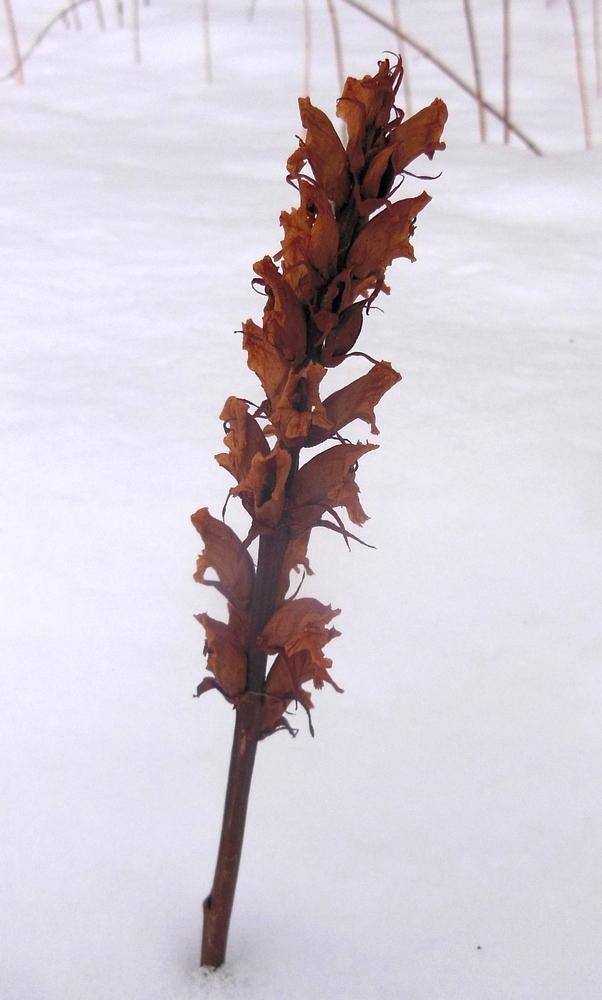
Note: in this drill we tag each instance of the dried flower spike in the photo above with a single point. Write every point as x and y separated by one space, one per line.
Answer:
336 247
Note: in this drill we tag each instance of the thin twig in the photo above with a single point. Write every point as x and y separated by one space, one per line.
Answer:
597 46
507 67
207 41
338 48
136 31
306 47
100 16
407 90
476 68
119 12
587 132
466 87
40 38
14 42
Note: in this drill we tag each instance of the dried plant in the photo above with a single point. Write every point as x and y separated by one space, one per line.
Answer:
318 289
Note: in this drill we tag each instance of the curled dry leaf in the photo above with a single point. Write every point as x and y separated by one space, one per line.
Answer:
311 242
262 489
356 401
385 237
227 659
265 360
327 481
294 621
284 686
365 106
299 407
224 553
283 315
299 626
244 438
408 139
324 152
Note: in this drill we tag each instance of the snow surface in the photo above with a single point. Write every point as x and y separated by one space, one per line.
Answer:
440 837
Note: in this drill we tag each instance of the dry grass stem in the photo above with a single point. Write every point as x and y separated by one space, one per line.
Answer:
14 43
476 68
207 41
136 31
407 89
336 36
306 47
597 45
581 82
100 15
507 68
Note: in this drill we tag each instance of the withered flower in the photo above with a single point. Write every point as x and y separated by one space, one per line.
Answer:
225 553
336 247
319 287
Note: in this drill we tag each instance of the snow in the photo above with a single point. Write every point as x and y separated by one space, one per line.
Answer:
439 838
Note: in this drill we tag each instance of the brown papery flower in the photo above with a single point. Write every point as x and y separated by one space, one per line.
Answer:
336 247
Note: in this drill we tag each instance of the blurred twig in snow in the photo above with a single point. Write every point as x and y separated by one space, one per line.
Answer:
207 41
14 42
597 46
476 68
338 48
507 66
407 90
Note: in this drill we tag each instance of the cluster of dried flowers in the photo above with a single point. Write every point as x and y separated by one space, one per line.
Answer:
337 245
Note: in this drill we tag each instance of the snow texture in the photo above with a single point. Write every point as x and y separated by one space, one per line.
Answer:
439 839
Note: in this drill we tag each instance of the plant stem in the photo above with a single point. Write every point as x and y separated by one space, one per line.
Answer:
338 45
507 68
217 908
587 129
476 68
14 42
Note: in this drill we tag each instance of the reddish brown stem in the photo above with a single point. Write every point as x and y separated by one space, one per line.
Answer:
217 908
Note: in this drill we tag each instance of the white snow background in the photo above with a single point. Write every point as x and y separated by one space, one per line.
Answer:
439 839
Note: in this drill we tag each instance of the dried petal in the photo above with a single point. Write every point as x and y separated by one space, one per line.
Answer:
245 438
283 686
385 237
227 660
324 152
283 316
419 134
225 553
265 360
264 486
311 241
299 408
407 139
343 335
365 106
356 401
328 480
300 625
295 556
